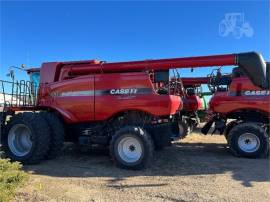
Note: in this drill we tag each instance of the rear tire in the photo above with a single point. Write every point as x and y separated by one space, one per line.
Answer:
184 129
229 127
248 140
57 134
132 148
26 138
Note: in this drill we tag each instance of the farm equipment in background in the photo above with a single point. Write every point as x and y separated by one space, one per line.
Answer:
195 109
131 107
203 112
241 111
194 84
235 100
191 94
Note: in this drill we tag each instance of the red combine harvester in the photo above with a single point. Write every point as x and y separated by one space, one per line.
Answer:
187 89
241 110
194 84
194 103
127 106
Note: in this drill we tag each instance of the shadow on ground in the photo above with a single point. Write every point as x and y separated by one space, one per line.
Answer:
182 159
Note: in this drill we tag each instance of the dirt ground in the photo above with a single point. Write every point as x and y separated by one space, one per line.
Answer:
199 168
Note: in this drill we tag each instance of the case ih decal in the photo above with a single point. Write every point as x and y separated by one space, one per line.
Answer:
129 91
256 92
123 91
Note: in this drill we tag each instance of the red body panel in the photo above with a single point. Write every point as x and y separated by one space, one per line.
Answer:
89 98
150 102
196 81
192 103
239 97
50 71
69 99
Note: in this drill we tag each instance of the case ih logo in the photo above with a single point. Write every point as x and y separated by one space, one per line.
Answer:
124 91
256 92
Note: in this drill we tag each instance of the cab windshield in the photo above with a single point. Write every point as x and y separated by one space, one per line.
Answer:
35 78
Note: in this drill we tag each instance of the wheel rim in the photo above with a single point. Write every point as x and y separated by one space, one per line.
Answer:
19 140
249 142
130 149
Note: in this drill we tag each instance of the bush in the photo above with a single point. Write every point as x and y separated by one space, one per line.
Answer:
11 176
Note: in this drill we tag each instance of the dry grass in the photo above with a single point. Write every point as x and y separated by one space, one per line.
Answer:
11 177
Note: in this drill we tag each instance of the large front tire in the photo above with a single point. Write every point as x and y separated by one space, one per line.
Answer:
248 140
57 134
132 148
26 138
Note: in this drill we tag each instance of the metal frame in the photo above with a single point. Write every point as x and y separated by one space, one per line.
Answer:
22 93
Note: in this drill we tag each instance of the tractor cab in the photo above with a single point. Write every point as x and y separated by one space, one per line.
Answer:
34 74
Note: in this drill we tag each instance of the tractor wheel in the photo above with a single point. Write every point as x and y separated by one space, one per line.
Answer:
26 138
229 127
57 134
132 148
248 140
184 129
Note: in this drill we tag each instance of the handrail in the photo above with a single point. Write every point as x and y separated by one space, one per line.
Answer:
18 93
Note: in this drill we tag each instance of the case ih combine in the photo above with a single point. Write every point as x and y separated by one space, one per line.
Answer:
187 89
194 102
194 84
131 107
241 110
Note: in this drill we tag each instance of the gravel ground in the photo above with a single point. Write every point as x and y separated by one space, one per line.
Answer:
199 168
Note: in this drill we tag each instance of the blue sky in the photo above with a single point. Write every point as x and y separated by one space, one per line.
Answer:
35 32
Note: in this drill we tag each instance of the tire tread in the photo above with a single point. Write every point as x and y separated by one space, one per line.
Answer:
145 137
36 124
57 133
251 126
